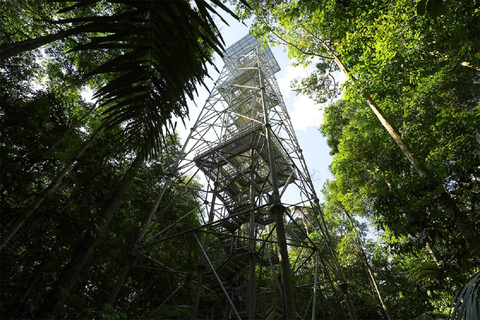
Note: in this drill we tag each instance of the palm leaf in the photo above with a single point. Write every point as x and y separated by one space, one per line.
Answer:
466 304
160 54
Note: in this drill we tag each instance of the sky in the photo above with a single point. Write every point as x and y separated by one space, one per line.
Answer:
305 114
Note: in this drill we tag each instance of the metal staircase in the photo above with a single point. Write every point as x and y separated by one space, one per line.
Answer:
243 152
247 162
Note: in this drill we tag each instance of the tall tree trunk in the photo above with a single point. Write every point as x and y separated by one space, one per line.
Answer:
70 275
132 306
367 264
132 257
52 187
433 255
450 208
131 261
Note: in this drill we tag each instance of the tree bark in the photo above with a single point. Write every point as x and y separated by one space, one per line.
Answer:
129 263
71 273
133 306
52 187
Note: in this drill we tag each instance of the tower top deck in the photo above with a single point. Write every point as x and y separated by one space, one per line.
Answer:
244 50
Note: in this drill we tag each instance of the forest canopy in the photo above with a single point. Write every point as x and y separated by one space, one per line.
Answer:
79 180
405 134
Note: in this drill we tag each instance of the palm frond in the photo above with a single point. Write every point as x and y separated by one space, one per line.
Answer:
466 304
160 51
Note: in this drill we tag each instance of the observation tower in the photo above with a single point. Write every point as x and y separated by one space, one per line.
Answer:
256 250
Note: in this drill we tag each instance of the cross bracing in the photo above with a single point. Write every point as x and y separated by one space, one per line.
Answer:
243 157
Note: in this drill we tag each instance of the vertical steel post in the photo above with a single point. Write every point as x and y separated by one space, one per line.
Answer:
315 284
251 299
278 210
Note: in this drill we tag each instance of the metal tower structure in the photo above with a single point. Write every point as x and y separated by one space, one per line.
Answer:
244 151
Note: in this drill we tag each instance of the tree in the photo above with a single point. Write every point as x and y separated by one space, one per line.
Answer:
144 61
413 65
142 90
46 245
373 180
380 62
372 59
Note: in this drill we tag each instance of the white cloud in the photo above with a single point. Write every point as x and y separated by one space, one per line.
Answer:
304 112
291 73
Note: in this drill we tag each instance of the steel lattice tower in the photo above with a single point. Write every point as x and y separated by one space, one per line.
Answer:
244 149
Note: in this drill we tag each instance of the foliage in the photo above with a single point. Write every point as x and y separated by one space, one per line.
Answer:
467 301
143 61
45 245
416 63
418 60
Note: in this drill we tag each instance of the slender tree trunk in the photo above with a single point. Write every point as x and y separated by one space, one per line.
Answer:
453 213
132 259
71 273
52 187
138 299
367 265
433 255
132 256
